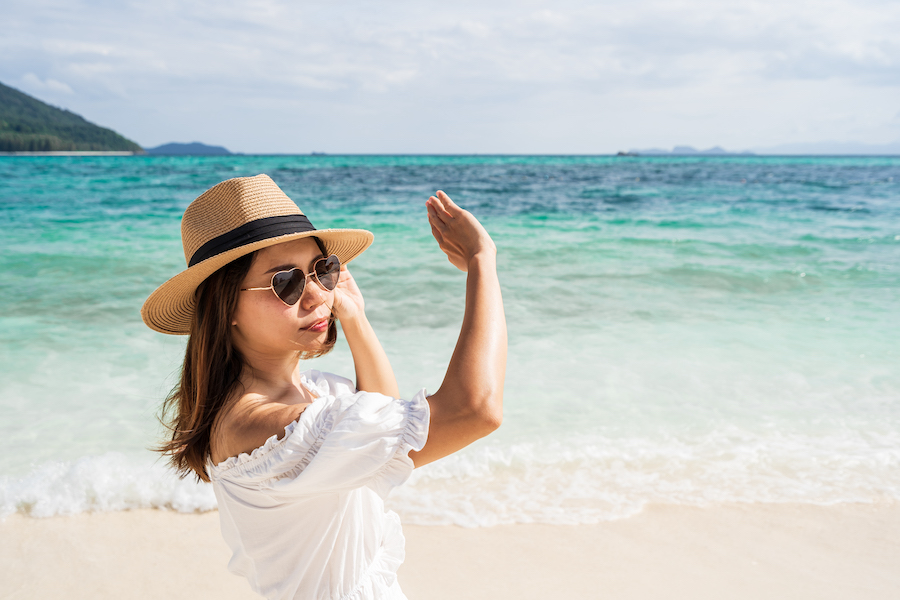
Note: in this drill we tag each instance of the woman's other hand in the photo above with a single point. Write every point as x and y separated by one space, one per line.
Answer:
458 233
348 300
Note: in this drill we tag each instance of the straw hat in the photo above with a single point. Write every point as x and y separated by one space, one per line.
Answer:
226 222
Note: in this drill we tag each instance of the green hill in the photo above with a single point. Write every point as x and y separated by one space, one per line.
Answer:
29 125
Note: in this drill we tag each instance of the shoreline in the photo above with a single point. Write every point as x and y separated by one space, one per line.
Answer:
743 551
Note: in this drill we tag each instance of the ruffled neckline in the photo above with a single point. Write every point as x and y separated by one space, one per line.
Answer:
319 389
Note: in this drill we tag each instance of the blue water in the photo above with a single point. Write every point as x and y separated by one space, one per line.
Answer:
682 330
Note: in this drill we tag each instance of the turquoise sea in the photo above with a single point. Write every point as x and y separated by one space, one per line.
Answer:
682 330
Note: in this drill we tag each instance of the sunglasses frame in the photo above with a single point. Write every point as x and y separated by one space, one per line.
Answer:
306 277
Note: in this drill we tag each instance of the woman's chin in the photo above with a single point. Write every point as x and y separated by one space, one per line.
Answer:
311 341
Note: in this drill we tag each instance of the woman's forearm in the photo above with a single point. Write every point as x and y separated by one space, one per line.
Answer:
474 379
373 369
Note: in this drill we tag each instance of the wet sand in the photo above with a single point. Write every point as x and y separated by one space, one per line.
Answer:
748 552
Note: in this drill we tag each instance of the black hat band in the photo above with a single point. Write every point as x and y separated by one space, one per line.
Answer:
248 233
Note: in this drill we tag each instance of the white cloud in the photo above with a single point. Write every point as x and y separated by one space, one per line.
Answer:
32 82
504 76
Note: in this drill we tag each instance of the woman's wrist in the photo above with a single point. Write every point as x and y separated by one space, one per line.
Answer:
355 320
373 369
483 259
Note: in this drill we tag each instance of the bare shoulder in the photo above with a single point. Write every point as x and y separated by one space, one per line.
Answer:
251 421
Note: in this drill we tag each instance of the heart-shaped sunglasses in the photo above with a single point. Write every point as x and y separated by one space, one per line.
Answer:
289 285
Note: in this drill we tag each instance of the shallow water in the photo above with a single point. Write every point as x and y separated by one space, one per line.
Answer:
682 330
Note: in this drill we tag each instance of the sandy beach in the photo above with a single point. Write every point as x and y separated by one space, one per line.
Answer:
735 551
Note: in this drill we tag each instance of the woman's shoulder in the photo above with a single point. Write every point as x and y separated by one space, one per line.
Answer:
250 423
254 423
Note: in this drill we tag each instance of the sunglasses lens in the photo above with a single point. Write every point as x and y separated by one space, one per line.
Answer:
288 285
328 272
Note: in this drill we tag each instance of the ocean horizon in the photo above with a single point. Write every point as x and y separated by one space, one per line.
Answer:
685 330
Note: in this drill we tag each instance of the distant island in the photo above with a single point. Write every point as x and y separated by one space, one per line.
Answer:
29 125
684 151
832 148
192 149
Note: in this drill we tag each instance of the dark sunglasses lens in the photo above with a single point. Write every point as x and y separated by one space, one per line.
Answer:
328 272
288 285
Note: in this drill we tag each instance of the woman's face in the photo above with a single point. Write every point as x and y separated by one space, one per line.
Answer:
263 323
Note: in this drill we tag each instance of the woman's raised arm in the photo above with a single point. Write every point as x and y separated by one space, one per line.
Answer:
469 403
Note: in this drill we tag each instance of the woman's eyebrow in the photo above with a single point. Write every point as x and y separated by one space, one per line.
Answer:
285 267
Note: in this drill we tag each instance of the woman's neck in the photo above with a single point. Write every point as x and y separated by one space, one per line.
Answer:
270 374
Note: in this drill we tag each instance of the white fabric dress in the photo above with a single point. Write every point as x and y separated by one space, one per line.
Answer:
304 515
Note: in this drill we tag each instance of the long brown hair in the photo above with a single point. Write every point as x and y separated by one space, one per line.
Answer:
211 371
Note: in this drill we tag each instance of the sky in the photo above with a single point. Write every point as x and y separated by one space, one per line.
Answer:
491 76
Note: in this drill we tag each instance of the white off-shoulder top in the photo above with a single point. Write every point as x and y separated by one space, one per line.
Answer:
304 515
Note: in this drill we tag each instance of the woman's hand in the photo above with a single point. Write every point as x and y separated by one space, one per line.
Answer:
457 232
348 300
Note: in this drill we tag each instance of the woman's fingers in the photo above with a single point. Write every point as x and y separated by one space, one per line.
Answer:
433 217
434 213
447 204
348 299
437 234
443 206
458 232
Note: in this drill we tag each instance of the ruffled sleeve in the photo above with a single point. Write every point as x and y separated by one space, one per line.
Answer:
344 440
365 440
355 440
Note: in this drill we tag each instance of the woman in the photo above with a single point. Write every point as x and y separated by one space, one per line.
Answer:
301 461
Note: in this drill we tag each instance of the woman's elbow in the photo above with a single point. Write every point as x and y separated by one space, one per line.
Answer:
493 420
490 414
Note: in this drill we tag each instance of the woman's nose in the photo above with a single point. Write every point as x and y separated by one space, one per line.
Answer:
313 294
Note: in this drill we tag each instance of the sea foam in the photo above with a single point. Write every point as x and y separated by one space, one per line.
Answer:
108 482
581 480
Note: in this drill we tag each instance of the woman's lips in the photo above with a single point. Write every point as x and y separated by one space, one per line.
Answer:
318 326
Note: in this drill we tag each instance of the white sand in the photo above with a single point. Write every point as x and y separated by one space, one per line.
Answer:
736 552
